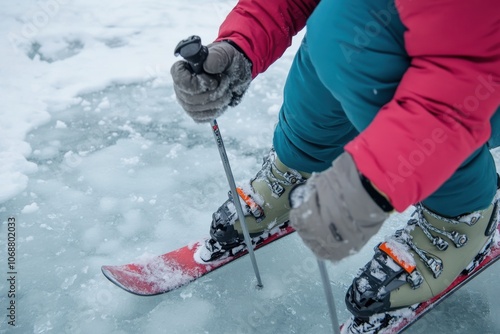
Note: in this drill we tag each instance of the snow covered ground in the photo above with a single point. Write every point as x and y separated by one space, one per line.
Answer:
99 165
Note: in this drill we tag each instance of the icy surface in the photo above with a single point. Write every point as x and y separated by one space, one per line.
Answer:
99 165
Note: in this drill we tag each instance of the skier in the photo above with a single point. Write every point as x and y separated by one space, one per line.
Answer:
401 97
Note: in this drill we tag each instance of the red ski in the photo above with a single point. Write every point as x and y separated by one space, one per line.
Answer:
397 321
174 269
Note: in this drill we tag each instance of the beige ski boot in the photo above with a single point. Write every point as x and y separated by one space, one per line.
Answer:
422 260
265 203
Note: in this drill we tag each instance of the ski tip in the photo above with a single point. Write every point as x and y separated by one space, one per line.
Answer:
107 271
110 273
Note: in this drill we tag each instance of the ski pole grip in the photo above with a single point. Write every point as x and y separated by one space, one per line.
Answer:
193 52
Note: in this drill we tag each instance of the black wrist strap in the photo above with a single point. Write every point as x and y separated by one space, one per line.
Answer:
377 197
237 47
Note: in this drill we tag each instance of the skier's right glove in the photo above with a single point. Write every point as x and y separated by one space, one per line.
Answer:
227 75
333 213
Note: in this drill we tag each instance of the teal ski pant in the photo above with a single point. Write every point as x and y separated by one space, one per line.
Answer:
366 49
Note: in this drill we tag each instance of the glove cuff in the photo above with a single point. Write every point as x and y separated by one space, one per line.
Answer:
377 197
240 50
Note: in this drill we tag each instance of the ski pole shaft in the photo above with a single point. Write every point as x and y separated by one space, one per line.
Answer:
236 199
195 54
329 296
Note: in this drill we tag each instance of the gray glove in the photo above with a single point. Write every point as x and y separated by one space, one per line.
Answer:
333 213
227 75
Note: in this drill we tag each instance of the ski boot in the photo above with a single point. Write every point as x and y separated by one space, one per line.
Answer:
421 261
265 204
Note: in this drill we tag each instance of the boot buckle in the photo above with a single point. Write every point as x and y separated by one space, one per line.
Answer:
254 208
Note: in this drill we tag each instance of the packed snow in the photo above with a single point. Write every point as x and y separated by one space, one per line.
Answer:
99 165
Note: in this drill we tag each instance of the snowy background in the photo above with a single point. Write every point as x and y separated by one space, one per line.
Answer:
99 165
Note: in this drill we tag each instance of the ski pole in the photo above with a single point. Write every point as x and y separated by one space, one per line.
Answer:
237 203
195 54
329 296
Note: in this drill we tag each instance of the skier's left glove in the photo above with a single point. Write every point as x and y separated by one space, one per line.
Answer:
205 96
333 213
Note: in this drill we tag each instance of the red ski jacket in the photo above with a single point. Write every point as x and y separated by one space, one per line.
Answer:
440 113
